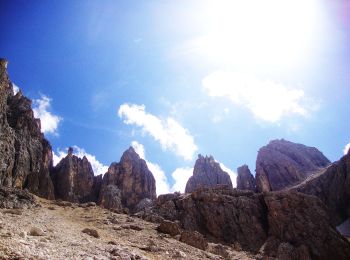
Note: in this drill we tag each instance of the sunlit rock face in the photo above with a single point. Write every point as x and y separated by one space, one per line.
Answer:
73 179
245 179
207 173
130 180
282 164
25 155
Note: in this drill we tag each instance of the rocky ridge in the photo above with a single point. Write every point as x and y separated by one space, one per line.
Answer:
332 186
282 164
271 224
207 173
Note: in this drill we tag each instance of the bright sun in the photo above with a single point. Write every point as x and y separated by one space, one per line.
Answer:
269 32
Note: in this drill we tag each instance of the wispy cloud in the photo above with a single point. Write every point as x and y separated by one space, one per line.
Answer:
168 132
49 121
267 100
162 185
346 148
97 166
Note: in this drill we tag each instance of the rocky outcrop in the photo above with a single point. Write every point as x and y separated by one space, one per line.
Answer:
245 179
25 155
274 223
282 164
219 213
73 178
207 173
302 221
13 198
127 183
332 186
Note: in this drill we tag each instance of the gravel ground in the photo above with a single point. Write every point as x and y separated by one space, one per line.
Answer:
55 232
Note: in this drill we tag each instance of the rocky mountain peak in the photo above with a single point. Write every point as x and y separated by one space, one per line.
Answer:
73 178
3 63
207 173
127 183
245 179
70 152
282 163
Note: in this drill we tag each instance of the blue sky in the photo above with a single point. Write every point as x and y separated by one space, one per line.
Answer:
178 78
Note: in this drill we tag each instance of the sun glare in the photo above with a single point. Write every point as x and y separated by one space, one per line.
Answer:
270 32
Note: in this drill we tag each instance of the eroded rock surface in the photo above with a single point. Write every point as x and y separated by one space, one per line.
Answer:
303 221
332 186
207 173
245 179
73 178
13 198
25 155
130 179
219 213
273 223
282 164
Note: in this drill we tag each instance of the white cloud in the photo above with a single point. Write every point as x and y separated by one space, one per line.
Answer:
232 174
266 99
346 148
57 157
97 166
49 122
162 185
181 176
139 149
169 133
15 88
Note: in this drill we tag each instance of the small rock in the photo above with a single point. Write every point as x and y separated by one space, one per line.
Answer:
63 203
135 227
218 249
7 234
23 234
193 238
91 232
35 231
169 227
179 254
51 208
112 243
13 211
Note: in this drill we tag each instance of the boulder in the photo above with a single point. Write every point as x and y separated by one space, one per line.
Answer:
282 164
195 239
25 155
207 173
132 178
169 227
245 180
